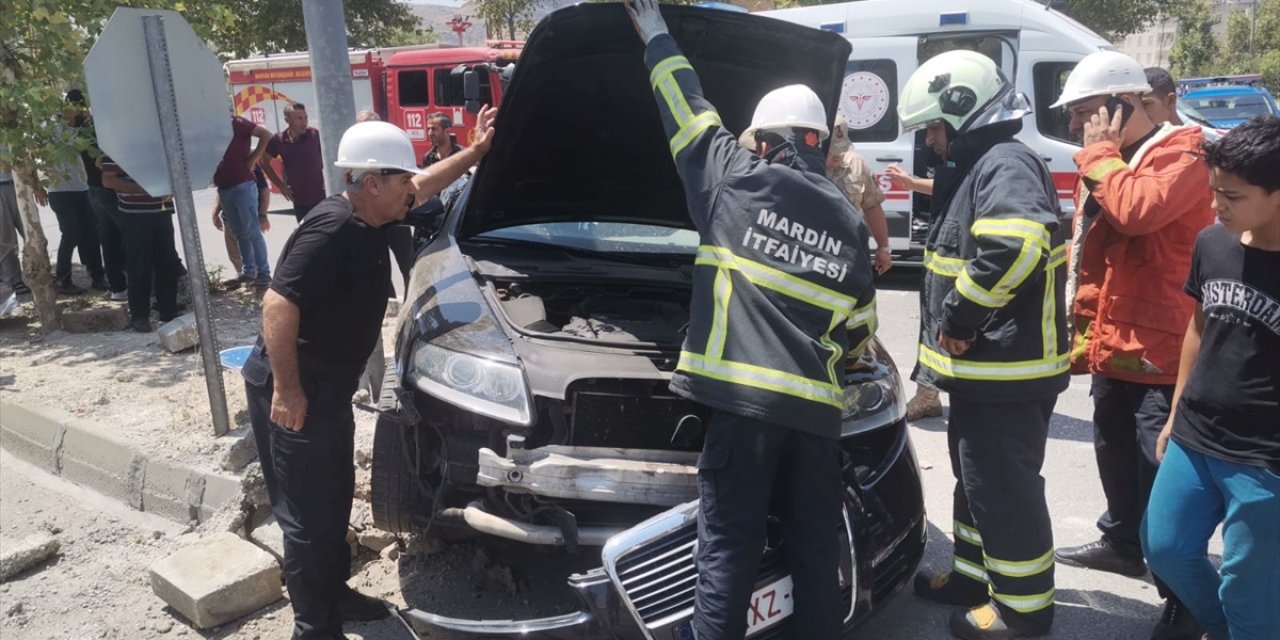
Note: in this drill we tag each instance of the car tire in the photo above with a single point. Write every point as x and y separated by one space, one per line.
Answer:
395 497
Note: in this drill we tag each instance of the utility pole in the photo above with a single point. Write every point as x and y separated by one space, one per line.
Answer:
326 27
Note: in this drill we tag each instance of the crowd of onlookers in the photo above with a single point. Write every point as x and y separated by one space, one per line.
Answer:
125 237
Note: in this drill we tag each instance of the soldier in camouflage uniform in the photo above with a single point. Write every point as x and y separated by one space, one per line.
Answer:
850 172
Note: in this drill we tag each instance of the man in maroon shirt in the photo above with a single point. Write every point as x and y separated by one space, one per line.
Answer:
238 193
298 148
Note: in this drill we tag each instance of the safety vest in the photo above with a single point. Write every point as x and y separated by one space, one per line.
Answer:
995 274
782 283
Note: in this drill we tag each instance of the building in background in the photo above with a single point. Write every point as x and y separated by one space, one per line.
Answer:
1153 46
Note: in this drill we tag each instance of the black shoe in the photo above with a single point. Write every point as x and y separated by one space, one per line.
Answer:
68 289
141 325
987 623
950 589
1176 623
357 607
99 284
1101 555
168 316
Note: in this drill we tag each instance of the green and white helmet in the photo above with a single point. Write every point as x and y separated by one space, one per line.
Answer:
962 88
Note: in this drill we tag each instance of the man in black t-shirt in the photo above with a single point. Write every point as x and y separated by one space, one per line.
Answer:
320 320
1220 450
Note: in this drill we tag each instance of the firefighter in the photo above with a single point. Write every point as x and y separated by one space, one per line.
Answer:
782 283
993 336
1142 199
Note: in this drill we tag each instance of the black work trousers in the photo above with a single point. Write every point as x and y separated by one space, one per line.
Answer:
79 231
745 464
148 239
310 478
1127 420
106 215
1002 529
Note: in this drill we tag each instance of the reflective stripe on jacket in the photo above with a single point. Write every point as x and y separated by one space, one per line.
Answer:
1129 265
995 273
782 285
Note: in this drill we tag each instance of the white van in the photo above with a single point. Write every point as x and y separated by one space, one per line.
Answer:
1033 44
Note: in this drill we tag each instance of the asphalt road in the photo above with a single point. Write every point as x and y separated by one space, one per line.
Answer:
1091 605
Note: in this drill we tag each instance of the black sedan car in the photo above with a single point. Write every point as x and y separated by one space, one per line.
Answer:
529 401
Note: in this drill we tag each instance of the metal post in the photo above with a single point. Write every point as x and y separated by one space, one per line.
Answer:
326 27
171 133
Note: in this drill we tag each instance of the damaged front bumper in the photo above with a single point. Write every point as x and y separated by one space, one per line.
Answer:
644 586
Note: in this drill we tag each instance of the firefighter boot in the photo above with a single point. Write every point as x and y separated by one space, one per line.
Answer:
988 622
949 589
925 404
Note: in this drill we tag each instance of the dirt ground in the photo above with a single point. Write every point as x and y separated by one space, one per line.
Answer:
97 586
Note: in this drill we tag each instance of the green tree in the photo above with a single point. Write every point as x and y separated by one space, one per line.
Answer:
1110 19
1195 48
506 17
272 26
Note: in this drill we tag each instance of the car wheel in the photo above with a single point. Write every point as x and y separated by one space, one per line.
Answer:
397 494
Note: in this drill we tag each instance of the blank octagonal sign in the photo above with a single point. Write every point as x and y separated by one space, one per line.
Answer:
124 101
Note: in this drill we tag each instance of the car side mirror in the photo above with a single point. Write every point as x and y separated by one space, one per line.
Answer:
471 90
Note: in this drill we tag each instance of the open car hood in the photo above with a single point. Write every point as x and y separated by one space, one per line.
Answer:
578 133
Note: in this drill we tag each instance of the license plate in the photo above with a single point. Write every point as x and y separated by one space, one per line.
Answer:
769 605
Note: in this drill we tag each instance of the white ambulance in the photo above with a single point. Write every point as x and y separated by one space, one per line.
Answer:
1036 46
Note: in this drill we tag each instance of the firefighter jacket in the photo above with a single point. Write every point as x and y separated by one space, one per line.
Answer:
782 284
995 273
1135 225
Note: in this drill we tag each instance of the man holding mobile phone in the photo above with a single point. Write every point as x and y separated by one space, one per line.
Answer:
1143 197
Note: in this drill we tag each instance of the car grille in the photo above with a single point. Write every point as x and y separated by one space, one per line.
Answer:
653 568
659 579
630 420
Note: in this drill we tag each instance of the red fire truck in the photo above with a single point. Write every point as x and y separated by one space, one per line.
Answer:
403 84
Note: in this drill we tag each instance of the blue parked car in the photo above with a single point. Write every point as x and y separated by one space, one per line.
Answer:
1228 105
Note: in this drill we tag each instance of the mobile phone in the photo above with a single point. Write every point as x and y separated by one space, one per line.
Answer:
1125 108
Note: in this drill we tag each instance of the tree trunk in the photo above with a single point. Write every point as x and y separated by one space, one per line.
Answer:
511 26
36 271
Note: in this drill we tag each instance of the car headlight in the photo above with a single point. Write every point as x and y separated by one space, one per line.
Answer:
873 396
487 387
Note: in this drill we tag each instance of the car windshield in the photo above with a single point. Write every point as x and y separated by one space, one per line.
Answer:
603 236
1229 107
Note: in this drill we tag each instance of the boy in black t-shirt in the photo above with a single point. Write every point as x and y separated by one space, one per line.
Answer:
1220 450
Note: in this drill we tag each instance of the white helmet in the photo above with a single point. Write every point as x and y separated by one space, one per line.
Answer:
1103 73
792 106
376 145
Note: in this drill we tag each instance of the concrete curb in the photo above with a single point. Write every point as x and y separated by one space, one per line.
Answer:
88 454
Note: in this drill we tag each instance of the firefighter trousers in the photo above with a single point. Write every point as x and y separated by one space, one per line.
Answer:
744 464
1002 531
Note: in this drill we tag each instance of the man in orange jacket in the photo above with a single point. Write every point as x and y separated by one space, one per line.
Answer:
1143 197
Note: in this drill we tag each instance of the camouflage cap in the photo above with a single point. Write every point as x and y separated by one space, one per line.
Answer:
839 137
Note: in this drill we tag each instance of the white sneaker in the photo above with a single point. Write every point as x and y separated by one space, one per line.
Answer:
120 296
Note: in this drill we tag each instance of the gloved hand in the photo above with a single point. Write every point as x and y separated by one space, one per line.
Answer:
646 18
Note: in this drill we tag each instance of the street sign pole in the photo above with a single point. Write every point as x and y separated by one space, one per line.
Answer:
171 133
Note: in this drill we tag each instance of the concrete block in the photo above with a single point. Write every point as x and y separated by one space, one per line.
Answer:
94 458
31 551
164 492
243 450
376 539
179 334
96 320
218 489
31 436
217 580
270 537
